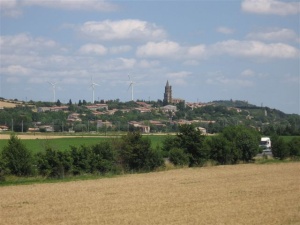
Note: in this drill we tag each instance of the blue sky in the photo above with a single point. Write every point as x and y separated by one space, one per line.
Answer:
208 50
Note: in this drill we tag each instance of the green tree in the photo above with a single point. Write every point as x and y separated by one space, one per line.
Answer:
54 163
104 158
280 148
191 141
178 157
223 151
136 154
17 158
294 146
246 140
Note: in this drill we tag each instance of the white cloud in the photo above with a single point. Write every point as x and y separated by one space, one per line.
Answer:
181 74
16 70
93 49
247 73
128 29
88 5
225 30
24 42
159 49
274 35
230 82
197 51
255 49
271 7
120 49
10 8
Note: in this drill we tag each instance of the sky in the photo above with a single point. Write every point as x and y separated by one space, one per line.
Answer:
208 50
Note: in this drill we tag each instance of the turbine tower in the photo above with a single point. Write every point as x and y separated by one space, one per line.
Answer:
53 87
131 85
93 84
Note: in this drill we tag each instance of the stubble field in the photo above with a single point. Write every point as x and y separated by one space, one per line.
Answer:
240 194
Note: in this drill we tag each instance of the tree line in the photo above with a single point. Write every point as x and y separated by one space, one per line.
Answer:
133 153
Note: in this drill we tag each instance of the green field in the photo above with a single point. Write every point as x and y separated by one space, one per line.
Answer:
37 145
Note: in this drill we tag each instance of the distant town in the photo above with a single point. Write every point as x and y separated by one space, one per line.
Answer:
145 116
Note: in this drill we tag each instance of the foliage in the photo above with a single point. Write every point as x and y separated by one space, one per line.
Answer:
191 141
53 163
280 148
246 141
294 146
17 158
178 157
136 154
222 150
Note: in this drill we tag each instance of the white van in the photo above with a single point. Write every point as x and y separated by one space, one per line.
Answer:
265 144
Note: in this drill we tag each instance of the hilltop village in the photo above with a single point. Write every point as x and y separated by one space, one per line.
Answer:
146 116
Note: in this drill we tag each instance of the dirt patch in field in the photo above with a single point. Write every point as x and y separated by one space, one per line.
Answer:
240 194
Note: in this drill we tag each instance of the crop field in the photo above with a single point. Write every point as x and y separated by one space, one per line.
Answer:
39 143
239 194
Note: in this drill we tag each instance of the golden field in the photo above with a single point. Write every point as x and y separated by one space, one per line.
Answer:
239 194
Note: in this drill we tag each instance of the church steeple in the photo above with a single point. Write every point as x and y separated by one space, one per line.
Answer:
167 94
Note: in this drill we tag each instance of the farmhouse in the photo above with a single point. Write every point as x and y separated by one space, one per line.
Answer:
142 128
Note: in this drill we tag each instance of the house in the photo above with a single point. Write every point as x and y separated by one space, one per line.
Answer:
201 129
101 123
169 108
96 107
142 128
157 123
143 109
3 128
74 117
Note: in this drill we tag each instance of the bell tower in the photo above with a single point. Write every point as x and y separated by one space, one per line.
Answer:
168 94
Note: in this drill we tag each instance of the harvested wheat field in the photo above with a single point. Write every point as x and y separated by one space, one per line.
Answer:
240 194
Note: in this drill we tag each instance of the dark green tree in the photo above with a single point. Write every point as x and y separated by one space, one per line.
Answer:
52 163
178 157
280 148
17 158
223 151
294 146
191 141
245 139
136 154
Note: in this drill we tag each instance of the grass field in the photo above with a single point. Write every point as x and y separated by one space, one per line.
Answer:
59 143
240 194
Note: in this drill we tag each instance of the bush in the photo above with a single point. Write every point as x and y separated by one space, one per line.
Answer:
136 154
191 141
280 148
104 158
54 163
246 141
178 157
294 147
17 158
223 151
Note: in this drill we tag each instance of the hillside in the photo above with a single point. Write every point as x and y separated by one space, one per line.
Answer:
146 116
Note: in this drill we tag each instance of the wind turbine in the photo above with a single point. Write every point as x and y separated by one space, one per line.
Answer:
53 87
131 85
93 84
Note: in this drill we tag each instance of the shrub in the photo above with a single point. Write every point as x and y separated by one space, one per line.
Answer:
294 147
246 141
280 148
178 157
191 141
223 151
104 158
136 154
54 163
17 158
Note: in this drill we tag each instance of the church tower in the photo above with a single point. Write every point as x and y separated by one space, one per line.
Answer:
168 94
